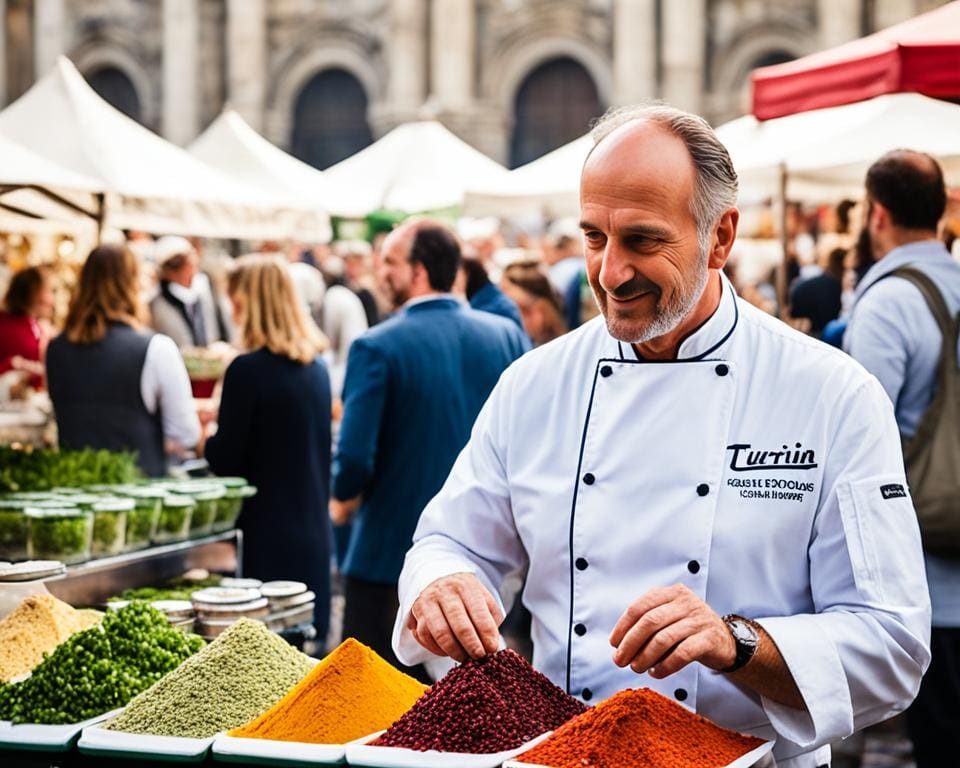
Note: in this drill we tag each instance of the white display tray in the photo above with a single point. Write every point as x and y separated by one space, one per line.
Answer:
748 760
45 738
232 749
103 743
361 754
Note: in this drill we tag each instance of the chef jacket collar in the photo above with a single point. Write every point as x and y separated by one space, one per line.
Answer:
707 341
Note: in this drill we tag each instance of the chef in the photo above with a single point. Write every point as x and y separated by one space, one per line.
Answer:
703 501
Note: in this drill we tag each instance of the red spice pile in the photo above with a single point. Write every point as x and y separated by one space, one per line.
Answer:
489 705
640 727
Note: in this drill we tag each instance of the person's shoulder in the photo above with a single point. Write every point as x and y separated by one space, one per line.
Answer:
796 352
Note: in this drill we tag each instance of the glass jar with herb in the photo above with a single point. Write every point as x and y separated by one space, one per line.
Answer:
230 506
110 526
174 521
207 497
63 534
14 531
142 519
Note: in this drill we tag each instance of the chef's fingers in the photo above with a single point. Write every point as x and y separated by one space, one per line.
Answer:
694 648
426 640
662 643
636 610
495 610
482 618
646 629
460 621
434 623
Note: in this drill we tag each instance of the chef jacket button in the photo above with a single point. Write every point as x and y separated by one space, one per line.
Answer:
581 564
580 629
680 694
693 566
589 479
703 489
586 694
722 370
606 371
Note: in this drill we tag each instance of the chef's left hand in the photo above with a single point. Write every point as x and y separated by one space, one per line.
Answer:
666 629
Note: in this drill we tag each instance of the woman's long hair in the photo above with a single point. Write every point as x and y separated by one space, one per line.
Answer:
272 314
108 292
531 278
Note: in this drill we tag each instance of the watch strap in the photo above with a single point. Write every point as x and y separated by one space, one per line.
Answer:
745 649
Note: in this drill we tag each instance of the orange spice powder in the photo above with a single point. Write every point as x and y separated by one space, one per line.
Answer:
350 694
640 727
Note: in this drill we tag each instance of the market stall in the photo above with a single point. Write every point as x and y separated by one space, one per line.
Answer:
150 184
549 185
415 168
230 145
920 55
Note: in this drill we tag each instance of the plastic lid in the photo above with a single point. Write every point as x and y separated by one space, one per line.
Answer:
55 512
32 495
247 491
143 492
172 500
54 504
199 489
230 482
114 505
211 495
13 504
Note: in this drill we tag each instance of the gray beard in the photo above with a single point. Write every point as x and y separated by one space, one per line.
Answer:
668 317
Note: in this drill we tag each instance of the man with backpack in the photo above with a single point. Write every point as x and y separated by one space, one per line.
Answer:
904 330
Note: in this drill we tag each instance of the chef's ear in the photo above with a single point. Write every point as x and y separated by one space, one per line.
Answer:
723 236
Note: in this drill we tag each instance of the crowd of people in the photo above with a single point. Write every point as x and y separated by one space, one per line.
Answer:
359 372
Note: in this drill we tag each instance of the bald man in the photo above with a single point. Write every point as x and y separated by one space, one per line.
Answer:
414 385
704 501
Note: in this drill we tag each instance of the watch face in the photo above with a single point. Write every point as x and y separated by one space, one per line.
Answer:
743 632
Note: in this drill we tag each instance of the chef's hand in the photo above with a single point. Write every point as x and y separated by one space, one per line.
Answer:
456 616
342 512
666 629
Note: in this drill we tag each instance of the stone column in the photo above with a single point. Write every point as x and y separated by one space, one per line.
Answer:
452 39
247 59
180 88
886 13
634 51
839 21
49 33
407 57
684 48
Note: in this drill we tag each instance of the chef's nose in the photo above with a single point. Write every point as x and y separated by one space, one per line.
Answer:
616 268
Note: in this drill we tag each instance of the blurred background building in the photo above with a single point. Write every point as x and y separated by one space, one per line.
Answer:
515 78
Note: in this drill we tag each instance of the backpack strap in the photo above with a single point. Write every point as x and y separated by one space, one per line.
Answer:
941 313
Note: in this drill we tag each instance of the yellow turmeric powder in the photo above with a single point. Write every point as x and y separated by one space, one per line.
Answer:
351 693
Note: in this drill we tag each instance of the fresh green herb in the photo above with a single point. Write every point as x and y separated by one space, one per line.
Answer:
99 669
60 534
14 531
39 469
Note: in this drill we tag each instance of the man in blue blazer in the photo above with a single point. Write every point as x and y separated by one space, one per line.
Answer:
414 386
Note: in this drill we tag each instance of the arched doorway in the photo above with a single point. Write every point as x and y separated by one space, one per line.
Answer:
553 106
117 89
770 58
330 119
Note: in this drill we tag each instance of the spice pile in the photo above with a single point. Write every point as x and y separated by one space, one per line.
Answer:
640 727
98 669
35 627
242 673
351 693
488 705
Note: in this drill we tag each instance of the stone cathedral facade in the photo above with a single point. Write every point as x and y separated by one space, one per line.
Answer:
515 78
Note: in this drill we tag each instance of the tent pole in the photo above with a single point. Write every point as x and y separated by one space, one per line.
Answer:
101 215
782 295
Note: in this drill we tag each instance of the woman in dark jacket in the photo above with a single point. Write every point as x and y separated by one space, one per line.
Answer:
274 430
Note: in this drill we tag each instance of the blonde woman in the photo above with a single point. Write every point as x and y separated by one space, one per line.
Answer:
115 384
274 429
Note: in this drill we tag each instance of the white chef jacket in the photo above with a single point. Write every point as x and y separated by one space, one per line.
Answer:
762 469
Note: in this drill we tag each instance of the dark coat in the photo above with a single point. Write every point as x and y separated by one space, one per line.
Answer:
491 299
414 386
274 430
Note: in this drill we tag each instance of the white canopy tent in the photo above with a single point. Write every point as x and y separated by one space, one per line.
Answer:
37 195
416 167
824 154
150 184
548 185
234 148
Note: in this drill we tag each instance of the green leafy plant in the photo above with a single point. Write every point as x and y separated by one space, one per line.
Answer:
40 469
